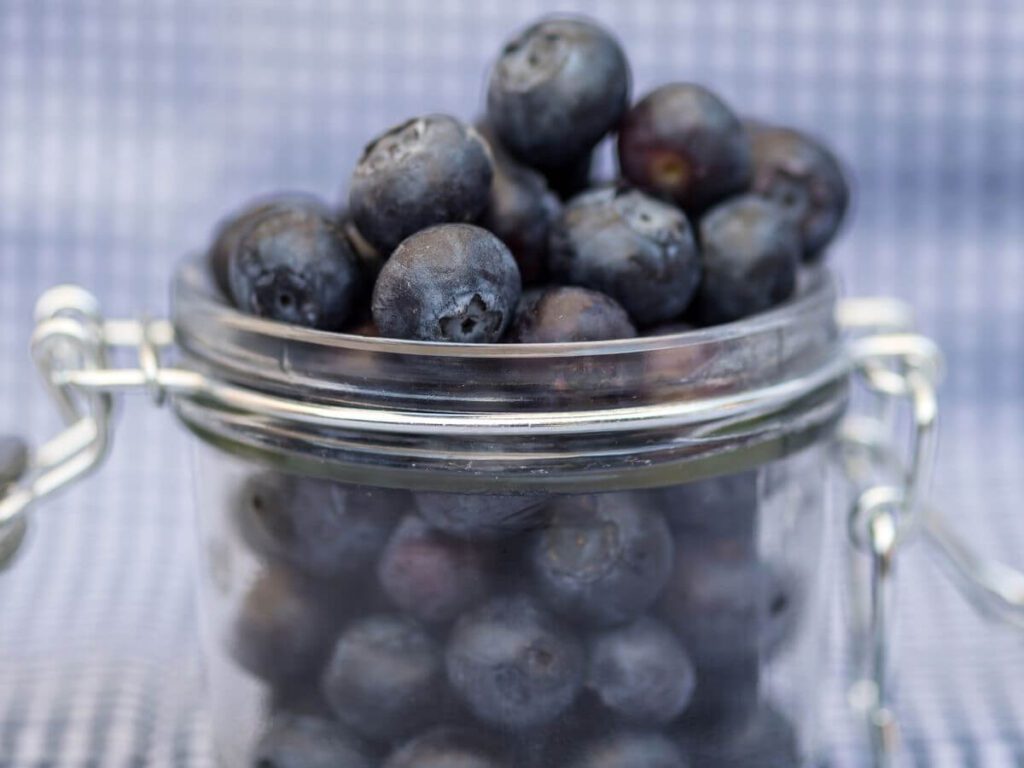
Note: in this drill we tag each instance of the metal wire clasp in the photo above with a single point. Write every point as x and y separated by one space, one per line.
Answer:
71 336
900 372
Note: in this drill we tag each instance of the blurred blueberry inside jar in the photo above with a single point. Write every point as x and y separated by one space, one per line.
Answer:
532 624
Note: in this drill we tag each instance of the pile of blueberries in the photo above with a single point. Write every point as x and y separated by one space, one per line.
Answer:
616 630
441 630
710 221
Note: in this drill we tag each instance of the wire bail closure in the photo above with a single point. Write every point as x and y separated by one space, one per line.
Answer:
897 369
71 335
73 344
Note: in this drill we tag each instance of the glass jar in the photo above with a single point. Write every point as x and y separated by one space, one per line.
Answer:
596 554
539 552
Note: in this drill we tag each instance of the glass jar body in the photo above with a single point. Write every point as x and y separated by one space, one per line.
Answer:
533 629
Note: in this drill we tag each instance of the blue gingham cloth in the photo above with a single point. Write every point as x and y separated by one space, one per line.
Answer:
127 127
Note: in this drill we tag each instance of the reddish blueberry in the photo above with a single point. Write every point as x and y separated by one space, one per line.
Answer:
568 314
430 575
682 143
804 178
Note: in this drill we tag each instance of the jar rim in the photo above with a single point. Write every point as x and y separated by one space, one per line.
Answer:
506 415
194 284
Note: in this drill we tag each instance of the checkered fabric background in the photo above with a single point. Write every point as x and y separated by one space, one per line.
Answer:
127 127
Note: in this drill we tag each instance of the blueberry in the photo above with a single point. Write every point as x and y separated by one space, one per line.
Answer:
556 90
641 672
631 749
768 742
448 747
681 142
281 632
567 315
13 459
230 230
319 527
304 741
727 609
294 265
365 328
481 516
430 575
719 513
385 677
571 179
520 211
426 171
750 253
602 559
636 249
514 664
452 282
805 179
726 699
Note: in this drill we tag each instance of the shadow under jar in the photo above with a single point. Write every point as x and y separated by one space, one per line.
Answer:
588 555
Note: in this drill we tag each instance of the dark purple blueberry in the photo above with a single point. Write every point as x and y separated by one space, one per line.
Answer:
304 741
561 739
230 230
430 575
720 513
669 329
727 609
641 672
768 742
365 328
514 664
13 458
520 211
319 527
601 559
726 700
428 170
294 265
636 249
631 749
448 747
481 516
281 632
568 314
385 678
682 143
556 90
452 282
571 179
750 253
804 178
